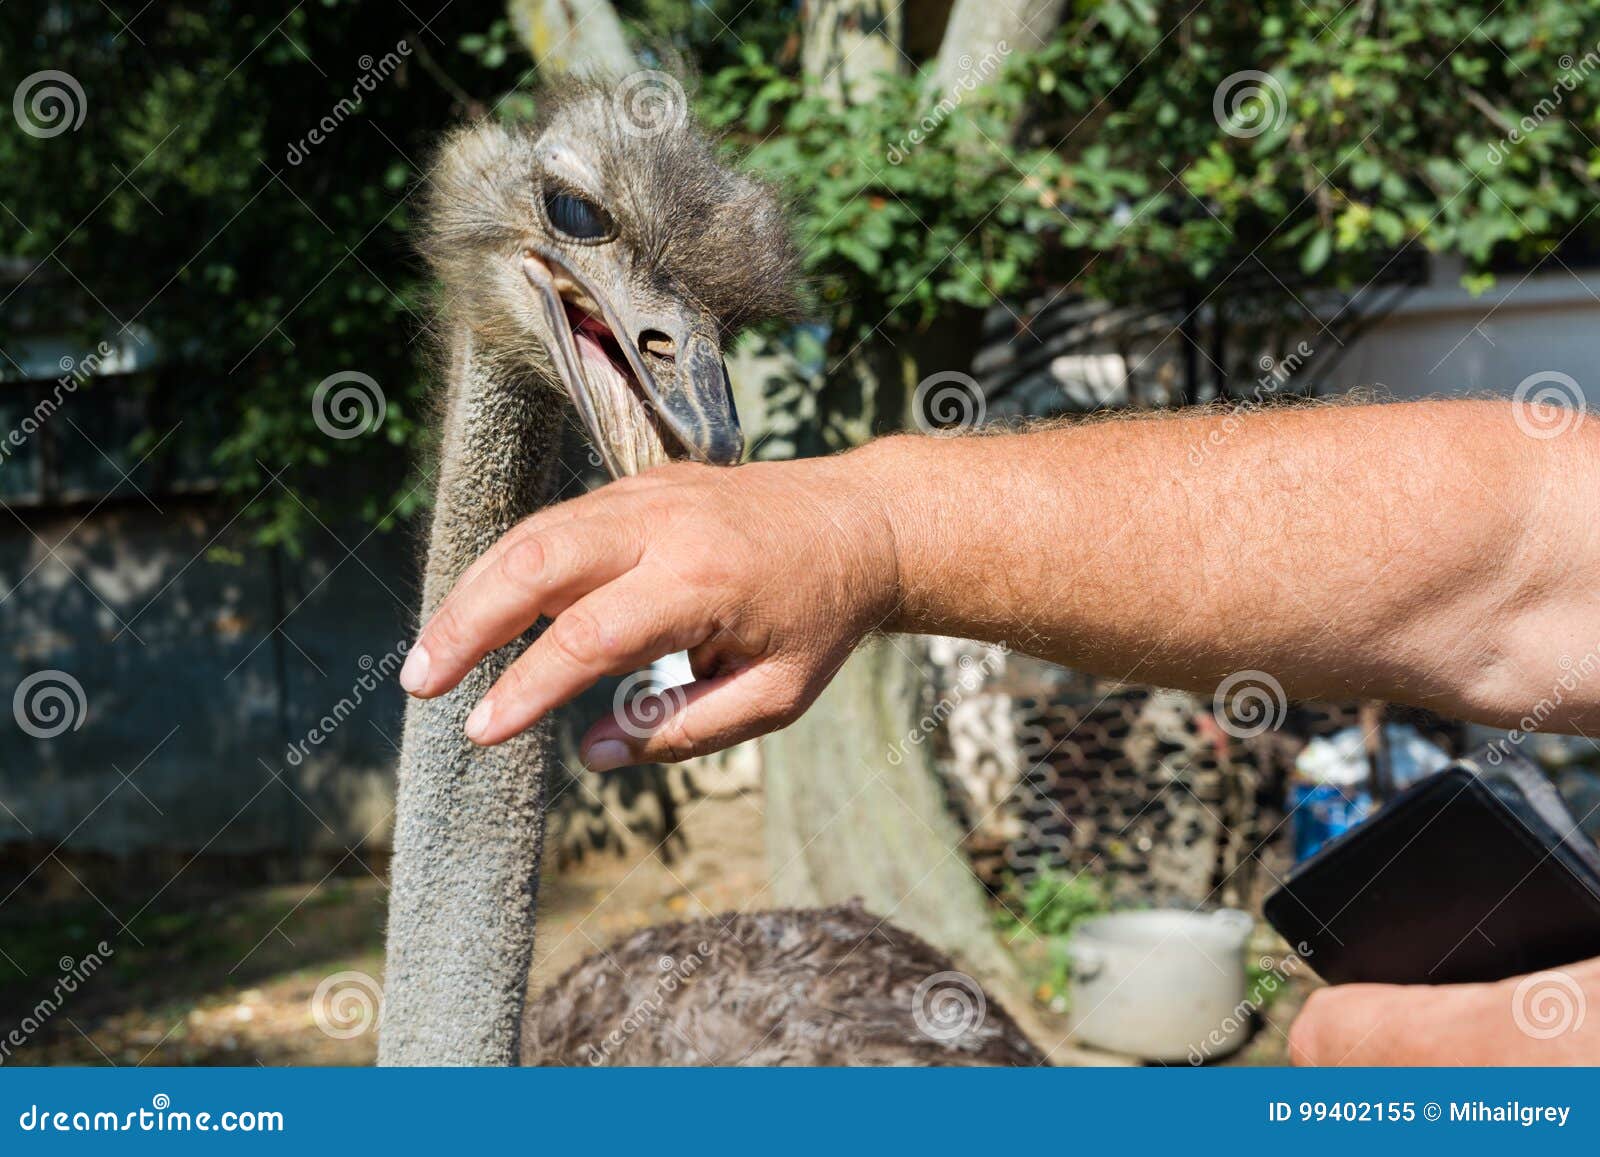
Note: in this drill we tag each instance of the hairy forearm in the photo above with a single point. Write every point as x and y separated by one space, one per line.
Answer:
1429 553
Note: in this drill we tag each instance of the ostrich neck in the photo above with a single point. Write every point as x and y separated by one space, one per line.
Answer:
469 824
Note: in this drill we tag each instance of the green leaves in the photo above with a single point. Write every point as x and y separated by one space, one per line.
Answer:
1353 134
175 208
1315 255
1100 164
903 206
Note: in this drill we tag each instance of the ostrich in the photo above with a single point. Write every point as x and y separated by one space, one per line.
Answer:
592 261
809 986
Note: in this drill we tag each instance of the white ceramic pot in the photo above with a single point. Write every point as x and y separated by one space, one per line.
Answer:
1166 984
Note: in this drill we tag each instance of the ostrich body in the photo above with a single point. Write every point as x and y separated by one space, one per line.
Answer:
825 986
587 263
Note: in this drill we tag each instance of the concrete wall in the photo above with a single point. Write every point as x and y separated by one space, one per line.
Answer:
1442 340
233 700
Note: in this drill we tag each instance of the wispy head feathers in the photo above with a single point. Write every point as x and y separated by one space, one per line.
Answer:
693 224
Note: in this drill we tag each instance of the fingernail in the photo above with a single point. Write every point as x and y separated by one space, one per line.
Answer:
414 674
607 754
478 721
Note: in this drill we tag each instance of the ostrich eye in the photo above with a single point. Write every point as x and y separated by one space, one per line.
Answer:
577 218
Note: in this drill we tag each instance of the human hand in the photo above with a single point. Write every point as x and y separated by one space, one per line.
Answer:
768 575
1538 1019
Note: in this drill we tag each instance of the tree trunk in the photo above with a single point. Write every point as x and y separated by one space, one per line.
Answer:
854 803
848 44
580 36
982 33
855 808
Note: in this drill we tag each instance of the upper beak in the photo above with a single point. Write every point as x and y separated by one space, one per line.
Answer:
674 356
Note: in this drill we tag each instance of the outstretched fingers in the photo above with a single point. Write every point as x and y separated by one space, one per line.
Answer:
532 571
607 502
621 627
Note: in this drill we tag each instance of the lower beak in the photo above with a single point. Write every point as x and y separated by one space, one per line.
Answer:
679 375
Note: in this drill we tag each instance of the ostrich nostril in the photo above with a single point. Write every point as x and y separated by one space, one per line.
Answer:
658 344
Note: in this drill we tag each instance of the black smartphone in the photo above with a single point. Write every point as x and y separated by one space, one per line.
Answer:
1476 873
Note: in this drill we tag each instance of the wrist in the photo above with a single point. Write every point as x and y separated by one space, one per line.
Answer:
887 483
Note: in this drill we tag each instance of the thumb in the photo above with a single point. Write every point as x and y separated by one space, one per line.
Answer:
678 723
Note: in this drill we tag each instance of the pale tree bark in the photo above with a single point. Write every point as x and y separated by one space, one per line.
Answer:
990 30
854 804
577 36
854 808
848 45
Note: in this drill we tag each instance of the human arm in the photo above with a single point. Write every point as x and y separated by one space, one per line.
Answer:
1540 1019
1430 553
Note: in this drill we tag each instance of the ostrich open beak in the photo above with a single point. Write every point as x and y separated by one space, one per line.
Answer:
649 383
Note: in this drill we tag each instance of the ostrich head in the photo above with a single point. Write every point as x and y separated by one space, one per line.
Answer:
607 249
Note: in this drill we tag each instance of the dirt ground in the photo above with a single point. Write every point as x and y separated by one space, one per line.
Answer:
233 978
230 979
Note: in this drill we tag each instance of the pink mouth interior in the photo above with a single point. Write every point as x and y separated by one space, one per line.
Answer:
628 423
602 358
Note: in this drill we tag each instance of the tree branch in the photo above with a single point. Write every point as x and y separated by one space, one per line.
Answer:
1500 121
